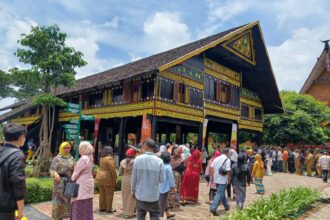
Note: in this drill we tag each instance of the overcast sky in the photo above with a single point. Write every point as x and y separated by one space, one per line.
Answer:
112 33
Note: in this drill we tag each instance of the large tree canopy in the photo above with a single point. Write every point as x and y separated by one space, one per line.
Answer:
300 123
5 85
52 64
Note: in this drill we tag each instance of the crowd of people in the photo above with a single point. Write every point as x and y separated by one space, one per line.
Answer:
155 179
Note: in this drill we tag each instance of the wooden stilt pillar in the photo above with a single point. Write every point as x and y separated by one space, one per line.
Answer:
168 135
200 136
178 136
121 139
154 127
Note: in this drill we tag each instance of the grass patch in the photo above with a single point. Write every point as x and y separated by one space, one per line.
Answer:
286 204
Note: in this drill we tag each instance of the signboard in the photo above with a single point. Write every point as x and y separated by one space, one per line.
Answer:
72 129
70 126
73 121
87 117
72 108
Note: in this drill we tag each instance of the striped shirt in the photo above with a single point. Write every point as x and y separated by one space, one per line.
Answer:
148 173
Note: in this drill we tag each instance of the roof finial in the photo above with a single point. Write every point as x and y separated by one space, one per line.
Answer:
326 44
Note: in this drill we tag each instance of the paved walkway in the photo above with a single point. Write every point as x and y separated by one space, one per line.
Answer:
200 211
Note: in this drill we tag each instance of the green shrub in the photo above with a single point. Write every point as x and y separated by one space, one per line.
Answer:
288 203
38 190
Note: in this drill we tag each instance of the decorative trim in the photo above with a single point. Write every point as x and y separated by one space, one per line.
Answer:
249 94
208 46
221 114
118 108
223 109
222 69
181 79
242 46
251 123
222 77
179 108
25 120
250 128
251 102
170 114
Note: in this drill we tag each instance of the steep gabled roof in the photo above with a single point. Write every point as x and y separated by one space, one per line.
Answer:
15 112
148 64
16 104
317 70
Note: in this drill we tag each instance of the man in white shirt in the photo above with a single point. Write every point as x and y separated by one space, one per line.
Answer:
221 181
324 163
279 160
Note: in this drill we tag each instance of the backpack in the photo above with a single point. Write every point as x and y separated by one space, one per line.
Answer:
3 158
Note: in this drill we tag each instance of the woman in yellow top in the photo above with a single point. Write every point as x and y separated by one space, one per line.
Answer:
258 174
106 177
61 170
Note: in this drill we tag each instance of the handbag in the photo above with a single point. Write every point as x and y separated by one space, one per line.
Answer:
71 190
222 169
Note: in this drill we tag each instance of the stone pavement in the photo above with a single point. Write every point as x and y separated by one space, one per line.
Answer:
201 211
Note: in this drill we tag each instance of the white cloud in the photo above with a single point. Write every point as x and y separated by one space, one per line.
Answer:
163 31
221 11
294 59
113 23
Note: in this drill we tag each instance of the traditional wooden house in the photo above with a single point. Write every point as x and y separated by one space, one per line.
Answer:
224 81
318 81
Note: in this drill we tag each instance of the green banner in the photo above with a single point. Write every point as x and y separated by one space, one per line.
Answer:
87 117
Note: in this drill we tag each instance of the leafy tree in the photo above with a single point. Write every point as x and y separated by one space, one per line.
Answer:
300 123
52 65
5 85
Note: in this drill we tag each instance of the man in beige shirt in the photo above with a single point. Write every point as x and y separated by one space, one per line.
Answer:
324 163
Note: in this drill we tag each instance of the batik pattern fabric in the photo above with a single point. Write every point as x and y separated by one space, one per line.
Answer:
240 195
62 165
174 195
82 210
259 185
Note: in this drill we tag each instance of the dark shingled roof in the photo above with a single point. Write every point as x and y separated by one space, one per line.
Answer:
144 65
16 104
15 112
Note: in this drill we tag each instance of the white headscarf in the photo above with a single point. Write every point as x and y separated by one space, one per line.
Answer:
185 152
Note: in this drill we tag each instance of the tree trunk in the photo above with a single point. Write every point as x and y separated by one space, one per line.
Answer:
44 155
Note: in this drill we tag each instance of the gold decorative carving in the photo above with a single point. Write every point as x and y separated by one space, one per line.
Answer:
221 114
251 123
221 69
222 108
242 46
182 79
118 108
251 102
240 126
171 114
25 120
222 77
179 108
124 114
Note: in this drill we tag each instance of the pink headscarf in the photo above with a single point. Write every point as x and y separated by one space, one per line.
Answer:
85 148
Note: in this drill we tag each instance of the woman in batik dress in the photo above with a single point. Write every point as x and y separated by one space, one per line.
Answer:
176 163
61 171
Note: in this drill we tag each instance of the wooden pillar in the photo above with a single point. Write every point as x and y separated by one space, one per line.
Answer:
154 128
200 135
159 137
178 136
185 135
168 135
121 138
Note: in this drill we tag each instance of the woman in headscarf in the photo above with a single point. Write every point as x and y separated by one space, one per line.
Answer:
241 177
177 167
107 178
209 173
185 152
297 162
82 205
125 170
190 181
61 171
258 174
